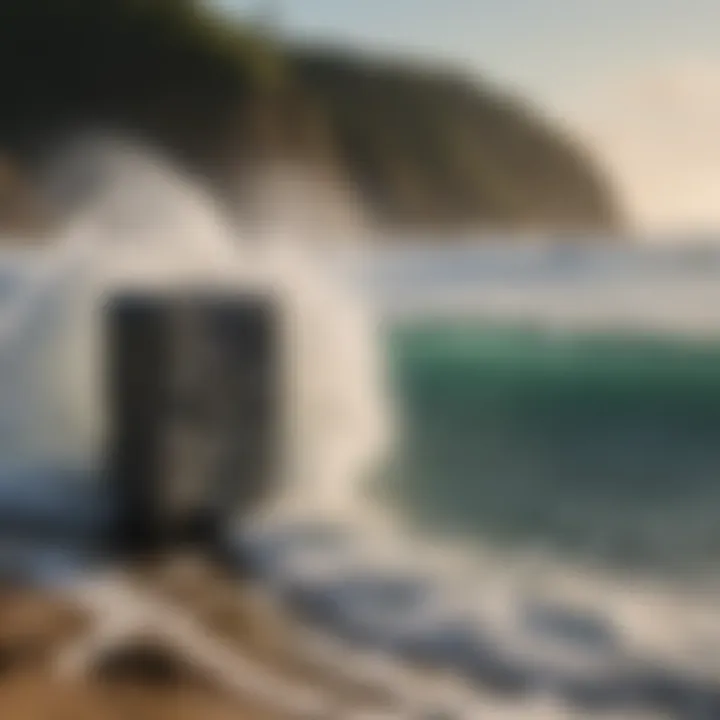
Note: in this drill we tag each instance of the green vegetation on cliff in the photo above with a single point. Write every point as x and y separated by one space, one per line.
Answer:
420 146
434 147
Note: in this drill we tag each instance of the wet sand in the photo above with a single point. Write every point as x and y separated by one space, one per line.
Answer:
145 681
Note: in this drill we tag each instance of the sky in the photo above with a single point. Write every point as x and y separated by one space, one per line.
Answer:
639 80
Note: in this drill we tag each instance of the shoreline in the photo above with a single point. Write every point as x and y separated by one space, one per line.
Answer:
146 680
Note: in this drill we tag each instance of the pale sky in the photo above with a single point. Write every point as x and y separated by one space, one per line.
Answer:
640 79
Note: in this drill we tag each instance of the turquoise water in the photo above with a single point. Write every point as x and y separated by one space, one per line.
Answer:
603 446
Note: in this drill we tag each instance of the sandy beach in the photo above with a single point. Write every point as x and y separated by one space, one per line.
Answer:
144 680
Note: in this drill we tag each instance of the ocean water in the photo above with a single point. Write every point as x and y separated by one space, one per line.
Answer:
548 525
558 397
542 537
544 533
595 444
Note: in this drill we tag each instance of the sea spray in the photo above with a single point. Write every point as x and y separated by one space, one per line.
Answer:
127 218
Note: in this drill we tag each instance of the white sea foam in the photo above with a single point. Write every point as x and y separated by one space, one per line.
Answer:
132 219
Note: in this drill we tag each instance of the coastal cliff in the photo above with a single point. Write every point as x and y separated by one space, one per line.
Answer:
415 146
